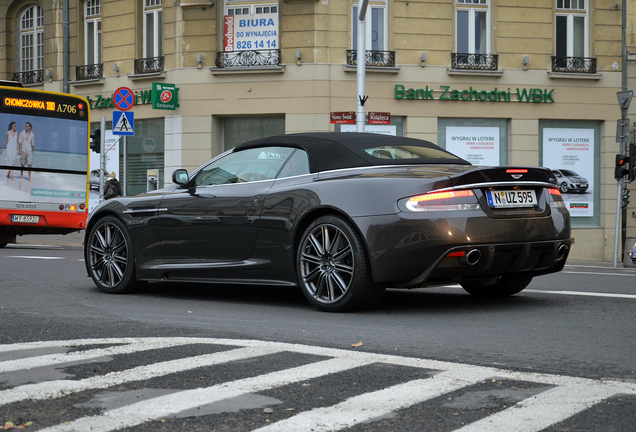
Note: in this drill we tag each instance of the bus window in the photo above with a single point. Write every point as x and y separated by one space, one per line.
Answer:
43 162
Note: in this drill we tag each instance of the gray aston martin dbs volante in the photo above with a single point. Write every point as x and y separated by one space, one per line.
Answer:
342 215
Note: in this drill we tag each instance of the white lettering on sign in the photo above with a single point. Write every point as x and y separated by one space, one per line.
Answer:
251 32
229 33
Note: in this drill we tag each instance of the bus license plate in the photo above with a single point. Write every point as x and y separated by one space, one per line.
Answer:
511 198
25 219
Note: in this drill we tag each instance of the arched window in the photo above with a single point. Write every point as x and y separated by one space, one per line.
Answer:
32 39
93 32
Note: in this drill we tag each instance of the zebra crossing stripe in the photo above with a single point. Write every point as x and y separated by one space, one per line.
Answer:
375 404
52 389
52 359
543 410
163 406
569 396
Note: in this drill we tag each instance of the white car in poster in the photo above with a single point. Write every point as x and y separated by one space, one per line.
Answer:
569 181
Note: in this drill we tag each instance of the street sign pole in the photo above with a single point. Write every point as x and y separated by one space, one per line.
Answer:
622 136
361 63
102 158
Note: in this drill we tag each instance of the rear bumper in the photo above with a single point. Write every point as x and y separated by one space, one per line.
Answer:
531 259
410 250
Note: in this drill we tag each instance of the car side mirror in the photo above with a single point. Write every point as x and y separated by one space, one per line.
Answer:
180 177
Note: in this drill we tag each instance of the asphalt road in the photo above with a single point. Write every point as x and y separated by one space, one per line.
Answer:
558 356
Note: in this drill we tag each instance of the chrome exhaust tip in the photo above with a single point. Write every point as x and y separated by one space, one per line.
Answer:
472 257
561 251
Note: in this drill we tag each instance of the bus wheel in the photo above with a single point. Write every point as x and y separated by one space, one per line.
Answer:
109 257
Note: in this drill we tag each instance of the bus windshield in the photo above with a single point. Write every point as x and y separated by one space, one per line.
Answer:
43 162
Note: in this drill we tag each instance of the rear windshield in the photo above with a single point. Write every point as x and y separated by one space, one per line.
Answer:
409 152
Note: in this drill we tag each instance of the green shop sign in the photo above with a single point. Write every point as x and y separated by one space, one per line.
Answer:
533 95
161 96
142 97
164 96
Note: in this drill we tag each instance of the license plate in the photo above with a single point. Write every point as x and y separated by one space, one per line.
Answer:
511 198
25 219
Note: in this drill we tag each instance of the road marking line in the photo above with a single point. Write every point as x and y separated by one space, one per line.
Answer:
51 359
163 406
573 393
53 389
34 257
600 273
543 410
582 293
367 406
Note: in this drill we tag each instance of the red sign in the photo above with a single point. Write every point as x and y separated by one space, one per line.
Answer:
343 117
379 118
228 39
166 95
124 98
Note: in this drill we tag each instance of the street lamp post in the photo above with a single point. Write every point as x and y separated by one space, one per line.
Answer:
361 58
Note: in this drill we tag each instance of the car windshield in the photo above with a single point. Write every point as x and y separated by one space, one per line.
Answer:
409 152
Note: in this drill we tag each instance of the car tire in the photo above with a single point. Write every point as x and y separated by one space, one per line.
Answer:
109 258
333 267
501 286
563 188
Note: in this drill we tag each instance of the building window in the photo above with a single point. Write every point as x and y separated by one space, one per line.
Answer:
250 35
472 24
571 28
237 130
32 39
93 33
375 25
153 36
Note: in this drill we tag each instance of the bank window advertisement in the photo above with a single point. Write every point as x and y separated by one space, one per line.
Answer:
479 141
477 145
570 154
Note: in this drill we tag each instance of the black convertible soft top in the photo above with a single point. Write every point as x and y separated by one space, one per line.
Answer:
338 150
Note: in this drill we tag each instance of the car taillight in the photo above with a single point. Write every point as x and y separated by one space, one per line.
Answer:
443 201
556 200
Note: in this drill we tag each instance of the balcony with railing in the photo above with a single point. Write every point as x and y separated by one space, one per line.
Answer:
372 58
579 65
247 59
148 65
475 62
89 72
29 77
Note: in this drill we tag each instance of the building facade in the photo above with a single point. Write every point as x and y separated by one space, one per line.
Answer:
497 81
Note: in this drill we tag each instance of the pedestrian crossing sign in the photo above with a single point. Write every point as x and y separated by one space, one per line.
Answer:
123 123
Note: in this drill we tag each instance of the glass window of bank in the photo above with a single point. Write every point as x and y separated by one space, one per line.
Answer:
479 141
237 130
375 25
472 26
143 151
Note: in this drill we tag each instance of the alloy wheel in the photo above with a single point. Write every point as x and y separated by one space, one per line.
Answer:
327 263
108 255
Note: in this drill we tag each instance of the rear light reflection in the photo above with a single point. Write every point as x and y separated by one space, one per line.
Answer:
556 200
443 201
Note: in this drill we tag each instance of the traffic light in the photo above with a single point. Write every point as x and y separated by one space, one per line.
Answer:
96 140
620 170
625 198
631 176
